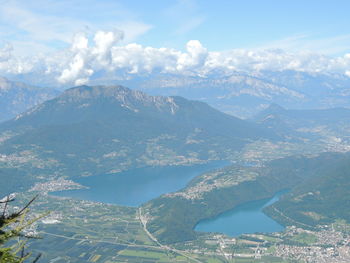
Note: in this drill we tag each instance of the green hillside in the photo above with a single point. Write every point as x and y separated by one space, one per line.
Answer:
174 216
322 198
94 130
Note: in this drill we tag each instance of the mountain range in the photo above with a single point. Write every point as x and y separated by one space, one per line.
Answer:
92 130
238 93
244 94
105 129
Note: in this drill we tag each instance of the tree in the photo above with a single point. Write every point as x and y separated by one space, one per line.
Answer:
12 225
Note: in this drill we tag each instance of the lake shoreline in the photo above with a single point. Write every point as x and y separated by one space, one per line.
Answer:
138 186
208 225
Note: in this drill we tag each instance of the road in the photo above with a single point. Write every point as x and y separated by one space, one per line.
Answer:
143 221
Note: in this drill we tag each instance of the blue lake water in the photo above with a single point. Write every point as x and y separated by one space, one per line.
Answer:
246 218
137 186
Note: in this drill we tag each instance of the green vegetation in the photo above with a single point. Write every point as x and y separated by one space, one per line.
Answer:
93 130
74 226
174 216
321 198
13 225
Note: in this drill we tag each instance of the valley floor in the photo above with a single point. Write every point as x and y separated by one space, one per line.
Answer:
80 231
96 232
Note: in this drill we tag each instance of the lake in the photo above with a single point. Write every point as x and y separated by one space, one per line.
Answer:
246 218
137 186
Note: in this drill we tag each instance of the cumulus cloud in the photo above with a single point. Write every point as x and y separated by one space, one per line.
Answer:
12 65
194 58
107 54
104 52
276 60
86 59
104 41
77 70
80 41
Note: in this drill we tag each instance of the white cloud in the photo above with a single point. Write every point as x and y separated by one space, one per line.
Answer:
48 25
105 52
6 52
77 72
12 65
104 41
80 42
133 59
85 59
194 58
136 59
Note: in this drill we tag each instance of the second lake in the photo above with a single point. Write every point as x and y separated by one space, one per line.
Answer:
246 218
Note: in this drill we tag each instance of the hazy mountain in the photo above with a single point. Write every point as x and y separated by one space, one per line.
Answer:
99 129
302 117
17 97
324 122
245 94
238 93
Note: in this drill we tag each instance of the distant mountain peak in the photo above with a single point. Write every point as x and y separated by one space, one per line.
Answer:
92 92
133 100
99 98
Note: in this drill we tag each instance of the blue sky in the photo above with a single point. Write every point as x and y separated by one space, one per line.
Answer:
250 23
70 41
219 25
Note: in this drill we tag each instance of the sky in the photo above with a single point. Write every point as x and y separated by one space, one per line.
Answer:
73 39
